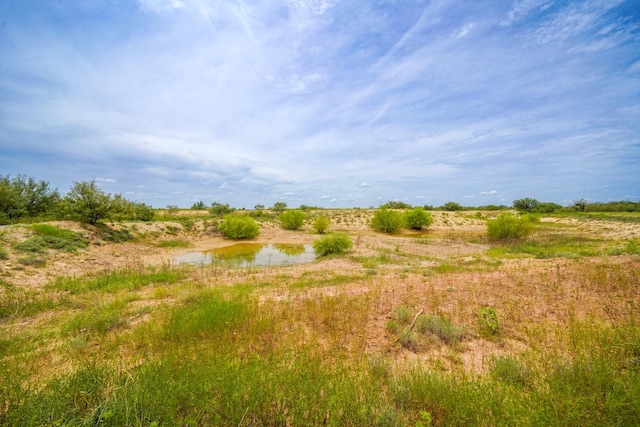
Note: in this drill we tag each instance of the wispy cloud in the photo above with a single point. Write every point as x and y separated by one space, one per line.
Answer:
307 100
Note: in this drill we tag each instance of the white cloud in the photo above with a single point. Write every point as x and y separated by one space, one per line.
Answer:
490 192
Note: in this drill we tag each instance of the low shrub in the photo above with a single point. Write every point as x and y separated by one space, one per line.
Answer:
3 253
508 226
321 223
292 219
387 221
417 218
333 244
239 227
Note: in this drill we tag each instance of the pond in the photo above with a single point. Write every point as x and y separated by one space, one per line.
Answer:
251 254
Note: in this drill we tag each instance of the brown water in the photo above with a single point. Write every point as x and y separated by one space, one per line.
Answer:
251 254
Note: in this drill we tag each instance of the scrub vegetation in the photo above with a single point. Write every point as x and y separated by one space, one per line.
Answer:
444 326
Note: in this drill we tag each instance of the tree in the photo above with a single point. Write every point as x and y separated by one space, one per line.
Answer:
396 204
279 207
527 204
199 206
24 196
417 218
581 205
452 206
88 203
387 220
219 209
547 207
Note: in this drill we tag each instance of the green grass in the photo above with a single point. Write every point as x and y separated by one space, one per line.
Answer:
119 280
174 244
49 237
169 346
552 245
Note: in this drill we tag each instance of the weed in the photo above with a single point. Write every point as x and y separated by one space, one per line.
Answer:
4 255
489 322
510 371
440 327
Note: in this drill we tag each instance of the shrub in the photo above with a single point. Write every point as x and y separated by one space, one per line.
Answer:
417 218
334 244
509 226
321 223
387 221
291 220
3 253
219 209
239 227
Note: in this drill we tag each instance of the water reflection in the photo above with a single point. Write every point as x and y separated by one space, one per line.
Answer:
251 254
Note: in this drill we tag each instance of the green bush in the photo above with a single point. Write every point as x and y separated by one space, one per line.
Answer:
3 253
333 244
321 223
292 219
417 218
508 226
239 227
387 221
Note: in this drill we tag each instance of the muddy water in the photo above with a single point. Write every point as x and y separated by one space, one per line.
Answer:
251 254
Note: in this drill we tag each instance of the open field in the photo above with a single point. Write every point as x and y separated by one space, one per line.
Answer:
437 327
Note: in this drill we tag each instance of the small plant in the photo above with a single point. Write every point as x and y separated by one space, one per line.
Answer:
333 244
489 323
417 218
387 221
3 253
32 261
508 226
292 219
442 328
321 223
239 227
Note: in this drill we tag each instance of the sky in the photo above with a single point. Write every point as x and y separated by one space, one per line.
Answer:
332 103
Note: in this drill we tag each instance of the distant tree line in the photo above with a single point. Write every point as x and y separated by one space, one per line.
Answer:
23 197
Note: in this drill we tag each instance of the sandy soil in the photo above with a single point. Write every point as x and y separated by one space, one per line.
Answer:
535 289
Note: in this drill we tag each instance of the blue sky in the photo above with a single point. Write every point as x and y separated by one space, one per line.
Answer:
324 102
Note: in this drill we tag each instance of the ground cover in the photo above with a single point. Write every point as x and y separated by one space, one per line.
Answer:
436 327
